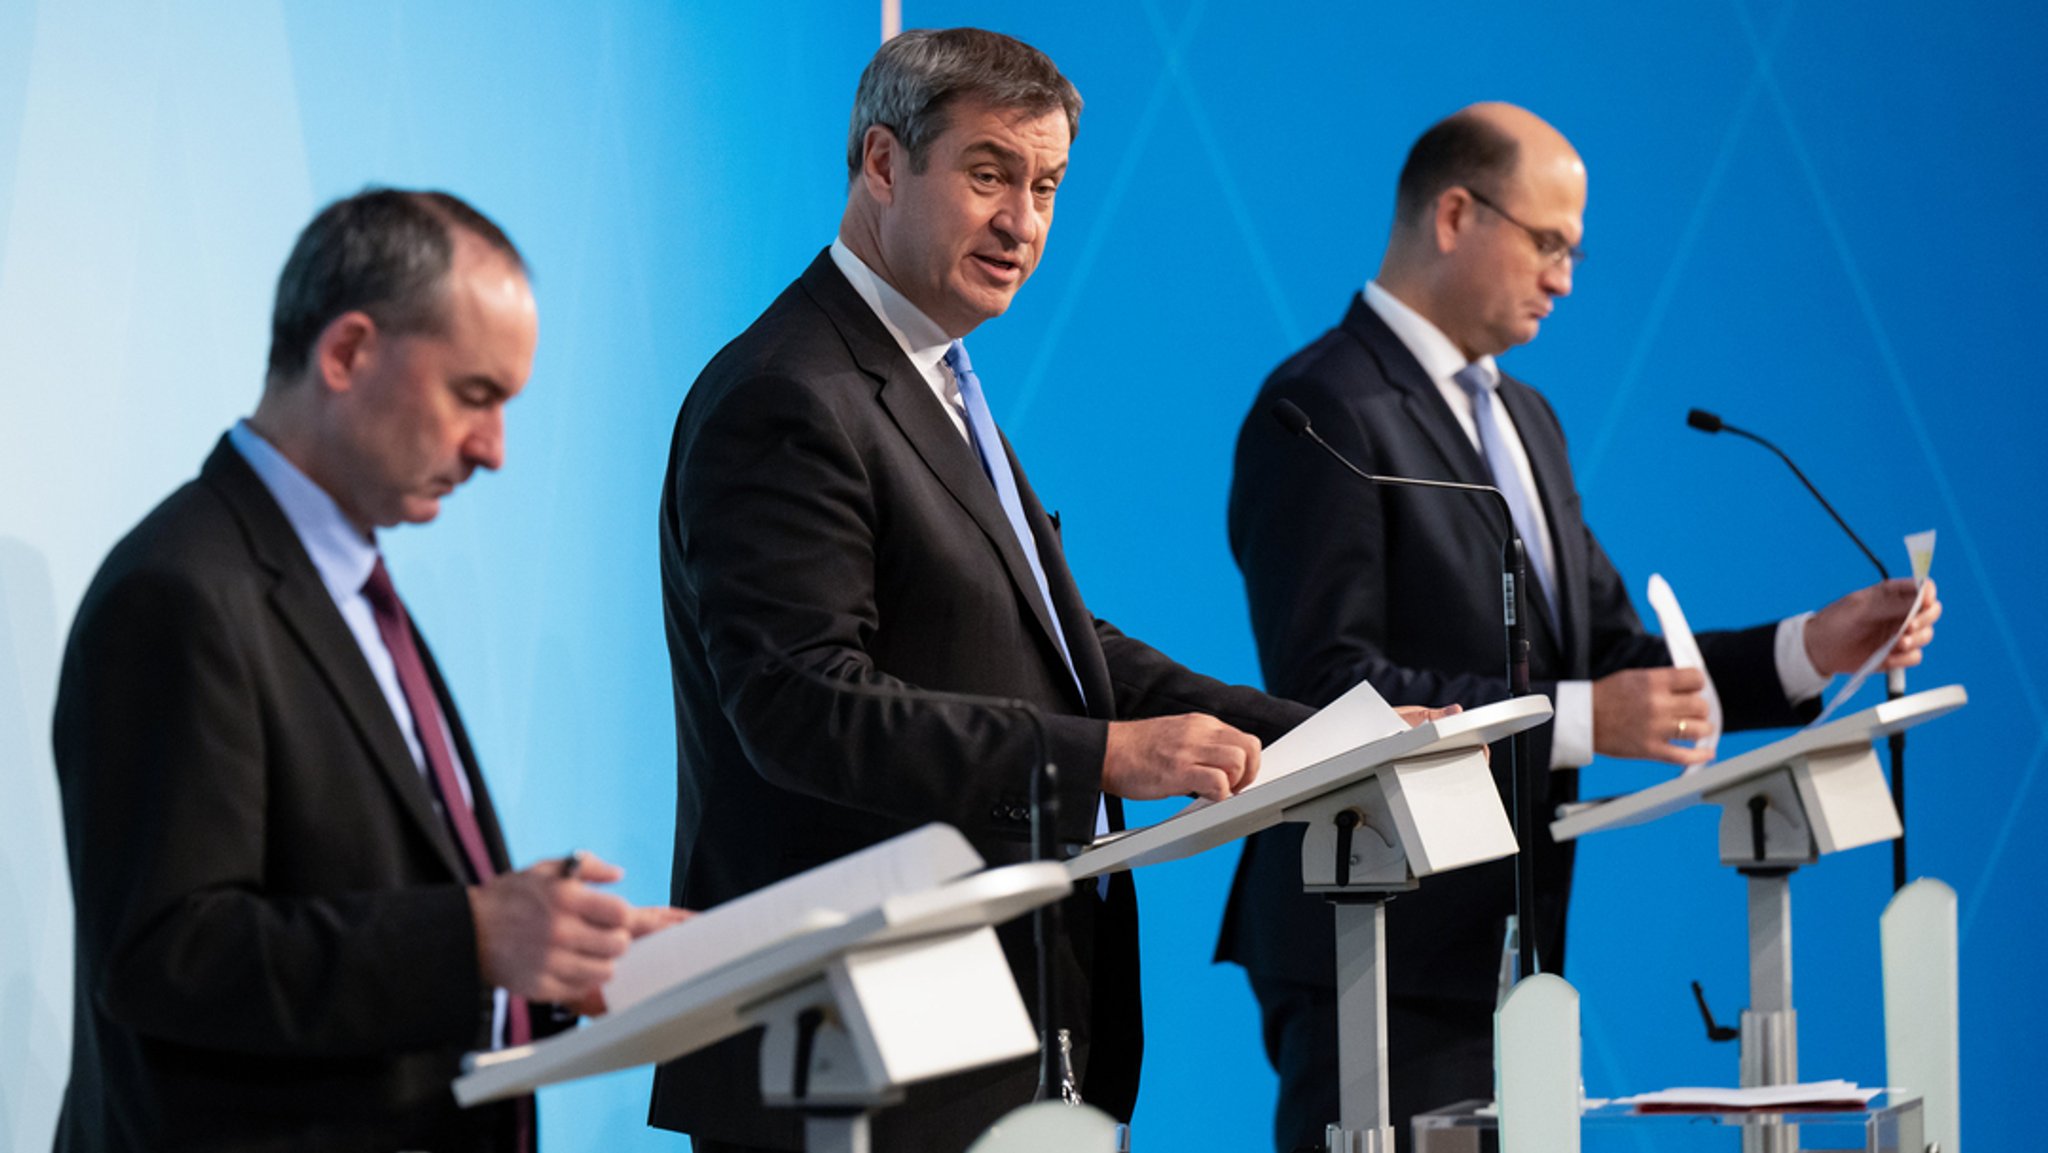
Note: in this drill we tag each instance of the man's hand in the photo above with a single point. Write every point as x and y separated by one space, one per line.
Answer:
1175 756
1423 714
1840 637
1638 713
548 937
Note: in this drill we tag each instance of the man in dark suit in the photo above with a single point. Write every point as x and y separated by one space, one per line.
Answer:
839 500
1402 588
295 908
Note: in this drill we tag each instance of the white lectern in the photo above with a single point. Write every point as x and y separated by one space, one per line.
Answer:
1380 817
1787 804
870 974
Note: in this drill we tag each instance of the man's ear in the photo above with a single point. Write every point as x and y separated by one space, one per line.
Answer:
1452 216
345 347
883 161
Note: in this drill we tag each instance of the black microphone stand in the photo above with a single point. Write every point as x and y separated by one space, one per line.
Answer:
1048 922
1894 680
1514 580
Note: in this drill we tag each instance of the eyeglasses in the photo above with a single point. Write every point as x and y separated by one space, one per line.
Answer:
1550 245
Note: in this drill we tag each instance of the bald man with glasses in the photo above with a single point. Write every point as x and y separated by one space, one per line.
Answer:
1349 582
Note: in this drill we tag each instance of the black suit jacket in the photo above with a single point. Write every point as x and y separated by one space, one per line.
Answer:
1351 582
820 503
275 949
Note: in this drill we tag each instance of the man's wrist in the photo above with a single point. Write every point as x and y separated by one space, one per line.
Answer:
1796 672
1571 728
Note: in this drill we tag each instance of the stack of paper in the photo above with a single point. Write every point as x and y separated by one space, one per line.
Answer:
1768 1098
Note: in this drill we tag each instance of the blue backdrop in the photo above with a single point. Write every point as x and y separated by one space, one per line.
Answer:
1810 219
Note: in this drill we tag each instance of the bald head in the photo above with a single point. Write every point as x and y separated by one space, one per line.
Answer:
1484 146
1489 207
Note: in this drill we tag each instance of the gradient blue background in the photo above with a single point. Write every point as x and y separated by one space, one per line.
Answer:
1818 220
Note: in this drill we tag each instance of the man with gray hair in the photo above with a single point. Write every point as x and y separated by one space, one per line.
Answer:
839 501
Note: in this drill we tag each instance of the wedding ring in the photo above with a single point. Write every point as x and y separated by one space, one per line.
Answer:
1681 728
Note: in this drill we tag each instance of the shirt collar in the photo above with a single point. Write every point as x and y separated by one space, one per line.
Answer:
341 554
918 335
1430 347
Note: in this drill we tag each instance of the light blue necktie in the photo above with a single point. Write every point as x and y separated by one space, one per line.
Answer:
1480 385
981 429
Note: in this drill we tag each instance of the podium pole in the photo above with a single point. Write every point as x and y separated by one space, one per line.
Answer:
1770 1026
1364 1116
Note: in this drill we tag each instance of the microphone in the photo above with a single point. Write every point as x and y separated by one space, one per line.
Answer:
1895 680
1048 922
1514 580
1708 422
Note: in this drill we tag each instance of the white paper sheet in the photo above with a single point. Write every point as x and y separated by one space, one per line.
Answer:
1685 654
1920 551
1359 716
1708 1099
829 894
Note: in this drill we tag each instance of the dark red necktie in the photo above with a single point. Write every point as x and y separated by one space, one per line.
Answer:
396 629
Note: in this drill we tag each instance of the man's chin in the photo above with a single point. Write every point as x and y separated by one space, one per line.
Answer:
419 510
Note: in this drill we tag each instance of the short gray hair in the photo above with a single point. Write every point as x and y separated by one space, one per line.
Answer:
914 79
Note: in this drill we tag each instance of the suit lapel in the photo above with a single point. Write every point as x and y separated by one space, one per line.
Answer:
307 611
937 441
1091 666
1419 395
1425 406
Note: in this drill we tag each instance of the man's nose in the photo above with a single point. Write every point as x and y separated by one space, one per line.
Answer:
1019 219
1557 278
485 447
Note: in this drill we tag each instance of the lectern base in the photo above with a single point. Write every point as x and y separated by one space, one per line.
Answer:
1380 1140
1886 1125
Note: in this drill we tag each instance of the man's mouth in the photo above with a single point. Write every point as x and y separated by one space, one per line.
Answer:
1001 267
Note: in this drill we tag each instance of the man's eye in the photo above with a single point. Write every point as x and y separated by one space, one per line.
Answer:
985 177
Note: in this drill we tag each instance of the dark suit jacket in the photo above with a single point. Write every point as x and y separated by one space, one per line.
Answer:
1349 581
820 502
275 950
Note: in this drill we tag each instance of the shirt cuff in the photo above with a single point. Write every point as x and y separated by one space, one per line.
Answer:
1796 673
1571 725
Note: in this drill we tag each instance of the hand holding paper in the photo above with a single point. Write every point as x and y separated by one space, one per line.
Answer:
1886 625
1685 654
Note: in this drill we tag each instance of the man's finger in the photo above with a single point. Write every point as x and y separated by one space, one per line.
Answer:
646 919
605 910
1209 784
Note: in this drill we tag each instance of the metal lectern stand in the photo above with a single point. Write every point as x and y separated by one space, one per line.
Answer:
1785 805
856 1002
1379 817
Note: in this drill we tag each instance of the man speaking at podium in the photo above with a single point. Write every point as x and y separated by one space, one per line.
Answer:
295 908
839 499
1349 582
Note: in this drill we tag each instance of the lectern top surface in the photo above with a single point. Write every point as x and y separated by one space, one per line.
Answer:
1202 826
711 1007
1684 791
